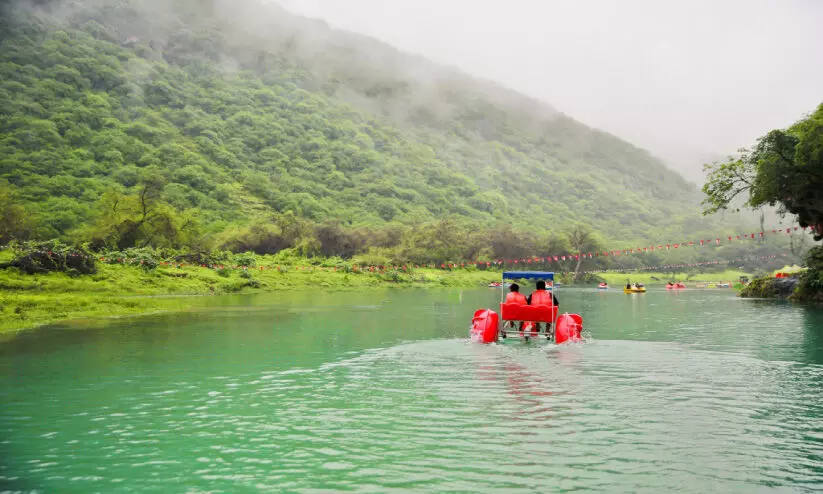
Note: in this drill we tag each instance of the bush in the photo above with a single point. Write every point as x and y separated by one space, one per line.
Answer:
371 260
810 286
145 257
395 276
53 256
287 257
246 259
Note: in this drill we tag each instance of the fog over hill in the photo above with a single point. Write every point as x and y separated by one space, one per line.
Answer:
686 80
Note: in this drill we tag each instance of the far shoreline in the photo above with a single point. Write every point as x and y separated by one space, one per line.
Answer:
32 301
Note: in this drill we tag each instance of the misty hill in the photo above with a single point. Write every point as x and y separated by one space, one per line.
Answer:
237 111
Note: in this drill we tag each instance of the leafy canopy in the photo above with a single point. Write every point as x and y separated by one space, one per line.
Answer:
784 169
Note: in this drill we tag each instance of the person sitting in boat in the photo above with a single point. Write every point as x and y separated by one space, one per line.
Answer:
541 296
514 296
628 286
640 285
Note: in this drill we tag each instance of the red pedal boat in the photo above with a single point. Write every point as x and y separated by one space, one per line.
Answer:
521 321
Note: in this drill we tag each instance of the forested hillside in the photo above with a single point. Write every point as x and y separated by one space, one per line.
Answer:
208 124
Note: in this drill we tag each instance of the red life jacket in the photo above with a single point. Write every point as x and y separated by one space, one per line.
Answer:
516 298
542 297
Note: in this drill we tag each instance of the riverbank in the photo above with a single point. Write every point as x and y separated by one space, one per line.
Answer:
731 276
119 290
803 286
115 290
782 288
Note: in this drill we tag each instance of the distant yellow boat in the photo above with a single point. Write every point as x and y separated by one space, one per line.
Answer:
635 290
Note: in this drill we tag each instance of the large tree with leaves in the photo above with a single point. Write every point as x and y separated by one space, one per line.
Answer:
784 169
582 240
15 224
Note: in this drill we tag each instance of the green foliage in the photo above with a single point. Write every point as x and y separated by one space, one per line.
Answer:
147 258
767 287
810 286
15 224
785 168
52 256
117 289
216 130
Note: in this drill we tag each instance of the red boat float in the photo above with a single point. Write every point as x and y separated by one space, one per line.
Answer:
675 286
486 326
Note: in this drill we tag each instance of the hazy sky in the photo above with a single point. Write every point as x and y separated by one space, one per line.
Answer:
682 79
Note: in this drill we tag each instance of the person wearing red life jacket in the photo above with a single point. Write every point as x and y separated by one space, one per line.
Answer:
515 297
541 296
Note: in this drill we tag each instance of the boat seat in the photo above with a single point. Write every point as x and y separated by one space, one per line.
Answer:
537 313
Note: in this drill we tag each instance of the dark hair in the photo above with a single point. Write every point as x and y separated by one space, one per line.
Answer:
541 285
515 287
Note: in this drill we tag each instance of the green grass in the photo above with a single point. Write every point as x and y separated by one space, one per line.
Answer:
32 300
648 278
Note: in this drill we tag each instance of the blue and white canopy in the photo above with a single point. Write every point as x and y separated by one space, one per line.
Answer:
528 275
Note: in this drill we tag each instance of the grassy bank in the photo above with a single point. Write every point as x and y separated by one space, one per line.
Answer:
115 290
649 278
120 290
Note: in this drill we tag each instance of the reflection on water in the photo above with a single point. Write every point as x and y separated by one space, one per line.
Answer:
693 391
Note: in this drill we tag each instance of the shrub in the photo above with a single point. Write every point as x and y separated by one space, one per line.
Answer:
145 257
246 259
810 286
53 256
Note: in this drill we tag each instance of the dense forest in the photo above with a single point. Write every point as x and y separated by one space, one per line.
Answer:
205 124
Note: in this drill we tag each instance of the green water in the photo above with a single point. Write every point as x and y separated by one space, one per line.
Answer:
381 391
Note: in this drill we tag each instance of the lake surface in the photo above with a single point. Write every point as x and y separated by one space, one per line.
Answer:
380 391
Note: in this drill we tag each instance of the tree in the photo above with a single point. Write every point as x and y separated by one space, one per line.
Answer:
784 169
15 224
582 241
142 220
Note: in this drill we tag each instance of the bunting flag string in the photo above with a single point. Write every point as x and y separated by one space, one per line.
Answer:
406 268
667 267
558 258
659 247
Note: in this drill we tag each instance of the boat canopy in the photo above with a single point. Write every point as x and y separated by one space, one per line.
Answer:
528 275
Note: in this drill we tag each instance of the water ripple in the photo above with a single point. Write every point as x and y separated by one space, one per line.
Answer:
442 415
